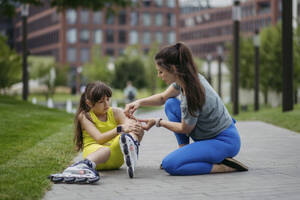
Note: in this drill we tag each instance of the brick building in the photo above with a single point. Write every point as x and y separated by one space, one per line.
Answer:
206 29
70 35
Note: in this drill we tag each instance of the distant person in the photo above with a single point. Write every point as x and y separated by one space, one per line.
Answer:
130 92
105 135
200 115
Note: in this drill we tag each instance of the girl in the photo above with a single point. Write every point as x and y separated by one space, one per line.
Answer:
200 115
101 132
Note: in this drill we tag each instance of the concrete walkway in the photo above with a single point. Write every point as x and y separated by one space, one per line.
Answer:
272 154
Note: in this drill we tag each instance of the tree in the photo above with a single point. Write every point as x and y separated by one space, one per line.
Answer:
151 73
271 60
10 65
7 7
297 62
97 69
43 69
246 62
130 67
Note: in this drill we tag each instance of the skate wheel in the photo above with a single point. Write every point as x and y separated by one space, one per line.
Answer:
80 180
123 139
93 180
128 162
130 172
69 180
125 149
57 179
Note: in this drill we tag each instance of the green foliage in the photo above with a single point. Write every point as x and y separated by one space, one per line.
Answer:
289 120
199 63
39 144
10 65
42 68
61 74
246 62
130 67
97 69
297 58
271 59
150 65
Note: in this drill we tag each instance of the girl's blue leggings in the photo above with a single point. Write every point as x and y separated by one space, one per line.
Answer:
198 157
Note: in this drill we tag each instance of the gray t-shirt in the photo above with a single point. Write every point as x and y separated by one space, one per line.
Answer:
212 120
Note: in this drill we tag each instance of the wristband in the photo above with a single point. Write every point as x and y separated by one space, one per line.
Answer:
157 123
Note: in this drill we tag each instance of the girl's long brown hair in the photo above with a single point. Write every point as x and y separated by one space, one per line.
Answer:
180 56
93 92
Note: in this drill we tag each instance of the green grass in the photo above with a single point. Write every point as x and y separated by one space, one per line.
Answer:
35 142
275 116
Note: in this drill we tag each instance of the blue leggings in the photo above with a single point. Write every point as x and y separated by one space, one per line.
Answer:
198 157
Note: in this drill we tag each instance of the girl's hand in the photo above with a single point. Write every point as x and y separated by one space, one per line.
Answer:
132 126
131 108
149 123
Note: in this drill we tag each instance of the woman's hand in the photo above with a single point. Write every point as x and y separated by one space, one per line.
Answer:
149 123
131 108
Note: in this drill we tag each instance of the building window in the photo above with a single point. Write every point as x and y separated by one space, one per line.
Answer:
97 17
71 55
171 19
146 19
134 18
122 18
158 3
171 3
110 52
159 37
84 55
147 38
158 19
84 16
84 36
98 36
72 36
122 36
147 3
110 36
133 37
110 19
71 16
171 37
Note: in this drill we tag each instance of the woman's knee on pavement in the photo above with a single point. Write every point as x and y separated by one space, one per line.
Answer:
170 164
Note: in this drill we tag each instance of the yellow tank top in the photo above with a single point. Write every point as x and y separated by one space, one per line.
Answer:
103 127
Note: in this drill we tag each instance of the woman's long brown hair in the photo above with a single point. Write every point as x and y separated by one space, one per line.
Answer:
93 92
180 56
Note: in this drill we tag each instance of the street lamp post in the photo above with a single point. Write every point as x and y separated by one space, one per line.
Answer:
256 42
220 54
236 17
287 56
209 57
25 76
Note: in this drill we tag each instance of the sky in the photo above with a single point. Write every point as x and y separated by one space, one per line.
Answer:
214 3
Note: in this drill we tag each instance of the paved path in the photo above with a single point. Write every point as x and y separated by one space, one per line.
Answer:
272 154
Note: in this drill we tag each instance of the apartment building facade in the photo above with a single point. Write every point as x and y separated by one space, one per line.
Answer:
70 35
203 31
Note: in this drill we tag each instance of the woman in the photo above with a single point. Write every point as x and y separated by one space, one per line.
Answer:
200 115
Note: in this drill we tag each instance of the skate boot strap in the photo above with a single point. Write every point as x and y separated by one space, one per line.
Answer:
137 144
